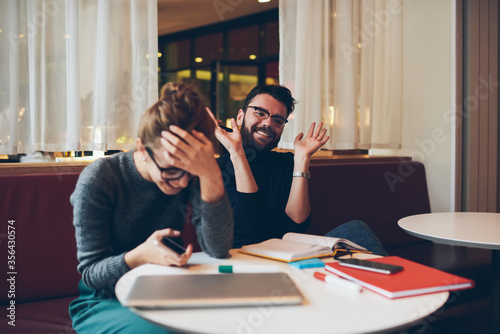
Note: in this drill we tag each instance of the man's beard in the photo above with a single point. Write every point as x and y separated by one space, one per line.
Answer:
250 142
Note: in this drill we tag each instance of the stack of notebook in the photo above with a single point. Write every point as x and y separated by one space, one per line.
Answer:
414 279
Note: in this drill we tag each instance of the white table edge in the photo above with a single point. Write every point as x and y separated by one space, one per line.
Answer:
449 241
441 296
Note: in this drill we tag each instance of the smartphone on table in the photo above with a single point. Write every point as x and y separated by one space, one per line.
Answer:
377 267
173 245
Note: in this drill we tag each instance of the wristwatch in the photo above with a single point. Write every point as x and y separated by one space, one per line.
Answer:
307 175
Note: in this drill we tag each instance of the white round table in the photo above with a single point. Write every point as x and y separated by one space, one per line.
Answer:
471 229
326 309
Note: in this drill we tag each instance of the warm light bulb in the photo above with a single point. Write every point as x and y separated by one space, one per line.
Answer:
332 115
198 59
253 57
367 117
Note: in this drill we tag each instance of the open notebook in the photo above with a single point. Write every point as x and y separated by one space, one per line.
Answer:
299 246
213 290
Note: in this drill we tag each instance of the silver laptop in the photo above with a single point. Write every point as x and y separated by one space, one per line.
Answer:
213 290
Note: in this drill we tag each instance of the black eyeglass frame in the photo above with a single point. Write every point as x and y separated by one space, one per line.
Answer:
268 114
167 170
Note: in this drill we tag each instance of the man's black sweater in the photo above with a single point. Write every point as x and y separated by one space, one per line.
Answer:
261 215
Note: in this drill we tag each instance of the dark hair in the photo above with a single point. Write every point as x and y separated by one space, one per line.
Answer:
280 93
180 105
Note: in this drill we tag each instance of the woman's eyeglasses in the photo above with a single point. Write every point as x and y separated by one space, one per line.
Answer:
170 173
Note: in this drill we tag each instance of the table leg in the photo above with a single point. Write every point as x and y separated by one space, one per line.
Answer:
495 291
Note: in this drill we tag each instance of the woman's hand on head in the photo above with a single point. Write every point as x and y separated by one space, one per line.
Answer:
154 251
192 152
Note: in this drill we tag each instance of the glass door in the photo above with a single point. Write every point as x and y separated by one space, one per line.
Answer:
231 82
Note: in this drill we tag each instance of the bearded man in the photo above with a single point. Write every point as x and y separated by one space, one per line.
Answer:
269 190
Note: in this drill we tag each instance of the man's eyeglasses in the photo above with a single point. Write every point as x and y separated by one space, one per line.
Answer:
343 252
263 114
171 173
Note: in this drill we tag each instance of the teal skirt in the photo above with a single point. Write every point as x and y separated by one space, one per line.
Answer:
100 312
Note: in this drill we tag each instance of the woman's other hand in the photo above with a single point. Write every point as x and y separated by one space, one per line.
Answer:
154 251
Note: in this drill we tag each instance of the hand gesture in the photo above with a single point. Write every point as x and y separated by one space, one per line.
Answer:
232 141
305 147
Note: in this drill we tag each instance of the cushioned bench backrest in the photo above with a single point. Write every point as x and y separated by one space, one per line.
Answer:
45 246
378 193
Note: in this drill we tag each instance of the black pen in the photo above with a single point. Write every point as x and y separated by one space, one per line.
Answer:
225 128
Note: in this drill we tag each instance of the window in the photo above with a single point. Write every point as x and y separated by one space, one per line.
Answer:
244 43
208 48
226 59
173 55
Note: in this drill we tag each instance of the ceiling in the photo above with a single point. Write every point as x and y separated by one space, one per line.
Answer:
179 15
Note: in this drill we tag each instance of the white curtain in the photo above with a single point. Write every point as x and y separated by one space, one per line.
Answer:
342 59
75 75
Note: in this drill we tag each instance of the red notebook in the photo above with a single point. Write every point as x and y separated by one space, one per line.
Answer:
414 279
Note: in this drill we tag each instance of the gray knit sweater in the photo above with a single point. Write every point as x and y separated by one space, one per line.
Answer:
115 210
